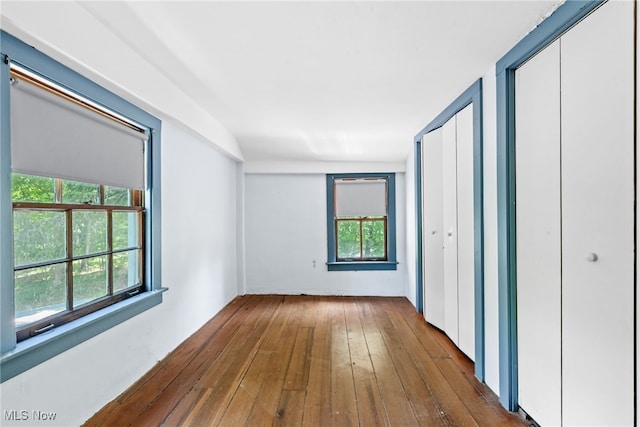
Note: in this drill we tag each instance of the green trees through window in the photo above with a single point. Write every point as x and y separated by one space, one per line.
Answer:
361 238
75 244
360 212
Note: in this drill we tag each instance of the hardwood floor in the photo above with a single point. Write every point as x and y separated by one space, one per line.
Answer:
314 361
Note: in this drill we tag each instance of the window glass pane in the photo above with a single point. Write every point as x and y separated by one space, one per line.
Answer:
40 292
38 236
116 196
348 239
30 188
125 230
89 279
89 232
360 197
125 270
80 193
373 239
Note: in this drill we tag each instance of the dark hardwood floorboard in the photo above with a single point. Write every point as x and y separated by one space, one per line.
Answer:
269 360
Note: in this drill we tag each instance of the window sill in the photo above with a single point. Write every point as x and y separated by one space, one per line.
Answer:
361 265
35 350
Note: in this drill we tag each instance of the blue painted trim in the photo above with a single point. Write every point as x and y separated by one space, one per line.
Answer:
39 349
15 358
546 32
331 234
466 98
419 243
362 266
153 226
7 335
478 229
390 264
473 95
36 61
391 218
550 29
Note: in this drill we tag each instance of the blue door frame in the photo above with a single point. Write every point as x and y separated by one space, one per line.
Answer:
473 95
549 30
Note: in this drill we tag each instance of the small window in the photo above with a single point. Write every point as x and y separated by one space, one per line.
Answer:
361 221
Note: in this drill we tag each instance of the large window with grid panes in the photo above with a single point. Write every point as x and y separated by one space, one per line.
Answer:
80 224
77 247
77 185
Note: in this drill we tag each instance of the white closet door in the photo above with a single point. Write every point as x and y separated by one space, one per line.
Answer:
538 236
598 218
466 266
433 259
450 227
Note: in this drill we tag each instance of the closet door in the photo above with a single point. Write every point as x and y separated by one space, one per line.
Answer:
433 258
538 209
448 230
450 227
598 218
466 249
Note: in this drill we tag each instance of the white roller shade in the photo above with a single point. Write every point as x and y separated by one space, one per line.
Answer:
361 197
54 137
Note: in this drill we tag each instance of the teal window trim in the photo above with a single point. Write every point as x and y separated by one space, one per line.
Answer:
332 263
17 358
41 348
473 95
549 30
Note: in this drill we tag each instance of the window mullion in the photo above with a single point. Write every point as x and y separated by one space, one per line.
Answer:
58 191
109 250
335 232
386 240
141 253
69 238
361 253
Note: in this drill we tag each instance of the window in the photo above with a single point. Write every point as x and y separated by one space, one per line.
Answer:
361 221
79 208
77 248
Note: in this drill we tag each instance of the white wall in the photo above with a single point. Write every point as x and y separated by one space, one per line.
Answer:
79 40
286 231
199 267
200 191
410 196
319 167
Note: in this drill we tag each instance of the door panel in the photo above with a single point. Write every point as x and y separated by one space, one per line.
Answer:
450 227
598 218
466 249
538 210
433 258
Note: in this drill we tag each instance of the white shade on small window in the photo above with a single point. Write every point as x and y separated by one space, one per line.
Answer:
54 137
361 197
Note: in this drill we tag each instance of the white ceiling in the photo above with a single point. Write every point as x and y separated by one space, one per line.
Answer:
322 81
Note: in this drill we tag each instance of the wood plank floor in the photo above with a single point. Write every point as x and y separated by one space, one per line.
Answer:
269 360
